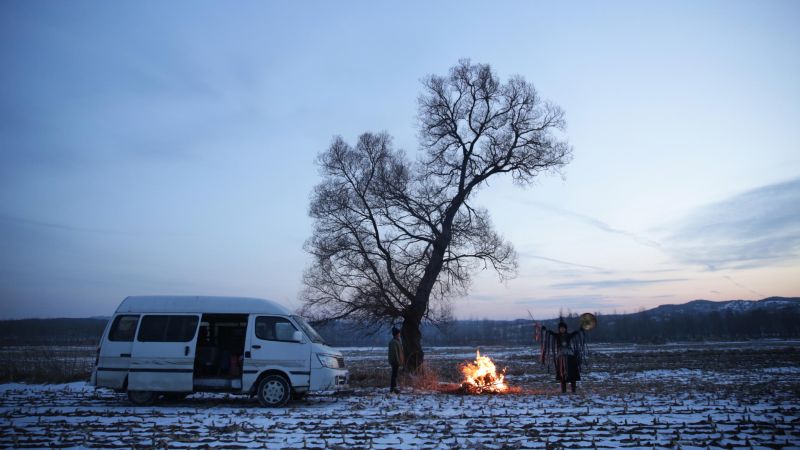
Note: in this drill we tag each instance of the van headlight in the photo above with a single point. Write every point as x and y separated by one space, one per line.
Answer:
328 361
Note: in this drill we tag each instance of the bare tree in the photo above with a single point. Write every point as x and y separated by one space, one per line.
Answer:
397 238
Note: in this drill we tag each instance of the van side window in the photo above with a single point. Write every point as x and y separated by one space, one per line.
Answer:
157 328
274 329
123 328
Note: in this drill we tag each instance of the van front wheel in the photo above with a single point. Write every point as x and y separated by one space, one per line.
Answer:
274 391
142 398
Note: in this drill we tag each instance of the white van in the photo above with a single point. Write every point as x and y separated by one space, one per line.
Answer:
174 346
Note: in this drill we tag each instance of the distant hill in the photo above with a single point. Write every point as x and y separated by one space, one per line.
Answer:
733 306
774 317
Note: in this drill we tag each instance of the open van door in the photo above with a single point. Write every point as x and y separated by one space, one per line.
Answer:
114 358
162 359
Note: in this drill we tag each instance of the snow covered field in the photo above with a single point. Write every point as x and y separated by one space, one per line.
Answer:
731 396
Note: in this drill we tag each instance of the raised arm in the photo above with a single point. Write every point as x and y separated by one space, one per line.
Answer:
551 333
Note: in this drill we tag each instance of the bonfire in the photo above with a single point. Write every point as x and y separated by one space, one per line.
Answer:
481 376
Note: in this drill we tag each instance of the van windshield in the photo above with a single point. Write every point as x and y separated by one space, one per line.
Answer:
308 330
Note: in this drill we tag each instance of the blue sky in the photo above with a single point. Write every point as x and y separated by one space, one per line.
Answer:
168 147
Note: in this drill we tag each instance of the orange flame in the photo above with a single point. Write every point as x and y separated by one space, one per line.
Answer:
482 376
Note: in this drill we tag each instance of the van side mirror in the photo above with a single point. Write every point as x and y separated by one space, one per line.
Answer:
297 336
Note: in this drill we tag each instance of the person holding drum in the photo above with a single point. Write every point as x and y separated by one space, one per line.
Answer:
568 350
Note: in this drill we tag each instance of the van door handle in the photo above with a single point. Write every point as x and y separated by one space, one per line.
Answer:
186 351
124 355
256 346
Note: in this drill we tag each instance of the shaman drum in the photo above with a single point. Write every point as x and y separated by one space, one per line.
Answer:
588 321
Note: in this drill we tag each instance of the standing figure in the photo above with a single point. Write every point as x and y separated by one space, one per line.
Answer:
568 352
395 357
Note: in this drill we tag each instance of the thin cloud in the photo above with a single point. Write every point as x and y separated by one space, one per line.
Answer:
596 223
566 263
605 284
735 283
58 226
571 302
19 221
757 228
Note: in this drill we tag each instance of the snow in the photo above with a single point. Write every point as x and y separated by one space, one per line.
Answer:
70 415
651 407
782 370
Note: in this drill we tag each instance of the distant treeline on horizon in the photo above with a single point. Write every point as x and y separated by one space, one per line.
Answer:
645 327
694 321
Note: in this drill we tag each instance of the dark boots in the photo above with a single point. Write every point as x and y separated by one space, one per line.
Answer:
572 385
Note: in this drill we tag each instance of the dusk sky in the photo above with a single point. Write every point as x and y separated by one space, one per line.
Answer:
169 147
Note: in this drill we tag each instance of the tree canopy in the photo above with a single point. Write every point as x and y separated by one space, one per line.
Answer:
397 237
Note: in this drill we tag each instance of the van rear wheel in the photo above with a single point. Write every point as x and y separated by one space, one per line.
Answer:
142 398
274 391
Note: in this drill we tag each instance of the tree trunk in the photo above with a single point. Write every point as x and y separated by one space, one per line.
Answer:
412 343
411 333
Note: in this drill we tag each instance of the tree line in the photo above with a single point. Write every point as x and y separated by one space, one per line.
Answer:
645 327
642 327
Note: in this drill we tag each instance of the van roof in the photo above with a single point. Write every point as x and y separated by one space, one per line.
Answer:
195 304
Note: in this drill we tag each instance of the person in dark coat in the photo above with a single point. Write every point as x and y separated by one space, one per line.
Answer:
395 357
567 349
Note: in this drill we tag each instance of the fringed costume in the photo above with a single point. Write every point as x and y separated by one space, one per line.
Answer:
565 351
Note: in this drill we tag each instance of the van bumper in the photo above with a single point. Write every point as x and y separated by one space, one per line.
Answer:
325 379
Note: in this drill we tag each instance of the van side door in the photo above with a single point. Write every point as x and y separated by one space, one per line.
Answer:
114 358
163 353
272 345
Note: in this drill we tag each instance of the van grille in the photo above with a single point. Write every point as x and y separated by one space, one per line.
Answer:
340 361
